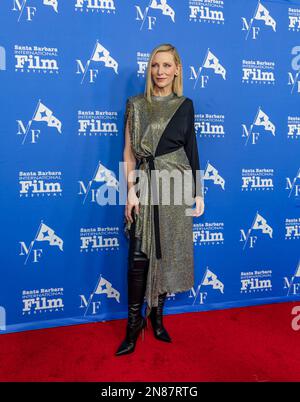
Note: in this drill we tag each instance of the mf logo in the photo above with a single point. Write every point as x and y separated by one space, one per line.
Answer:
261 119
2 58
45 234
292 285
160 6
258 224
210 62
101 174
2 319
293 185
41 114
99 55
293 77
103 286
28 11
260 13
209 279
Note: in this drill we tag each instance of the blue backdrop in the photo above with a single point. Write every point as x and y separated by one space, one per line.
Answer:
66 70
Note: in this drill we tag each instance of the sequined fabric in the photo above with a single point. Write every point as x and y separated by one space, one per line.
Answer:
174 272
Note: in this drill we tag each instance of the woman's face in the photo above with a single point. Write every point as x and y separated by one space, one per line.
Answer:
163 70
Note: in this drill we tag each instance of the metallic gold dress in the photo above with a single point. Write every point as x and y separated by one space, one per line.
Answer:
163 138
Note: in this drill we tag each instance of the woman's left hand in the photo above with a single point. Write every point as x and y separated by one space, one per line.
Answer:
199 209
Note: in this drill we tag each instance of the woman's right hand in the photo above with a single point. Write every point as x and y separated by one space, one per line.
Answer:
132 202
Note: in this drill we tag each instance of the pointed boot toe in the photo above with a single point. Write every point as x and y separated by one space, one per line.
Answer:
125 348
162 335
128 344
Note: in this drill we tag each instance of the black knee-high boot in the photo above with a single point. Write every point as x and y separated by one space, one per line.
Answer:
156 318
137 279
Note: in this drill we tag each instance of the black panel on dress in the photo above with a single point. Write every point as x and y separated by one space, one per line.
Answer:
180 132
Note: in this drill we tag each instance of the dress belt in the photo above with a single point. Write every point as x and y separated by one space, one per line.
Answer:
150 160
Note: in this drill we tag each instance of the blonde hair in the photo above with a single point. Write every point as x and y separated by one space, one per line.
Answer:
177 86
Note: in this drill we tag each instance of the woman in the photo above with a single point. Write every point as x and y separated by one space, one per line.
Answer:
160 136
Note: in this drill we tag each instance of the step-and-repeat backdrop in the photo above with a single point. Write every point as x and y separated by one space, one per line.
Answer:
66 70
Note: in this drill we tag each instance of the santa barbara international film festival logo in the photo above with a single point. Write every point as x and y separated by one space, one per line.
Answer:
293 185
210 125
95 6
210 62
41 114
259 226
292 228
293 127
142 62
94 123
36 59
257 179
27 10
208 233
256 281
258 72
92 304
44 234
208 12
40 301
261 16
292 284
294 19
97 239
100 56
211 281
40 184
260 126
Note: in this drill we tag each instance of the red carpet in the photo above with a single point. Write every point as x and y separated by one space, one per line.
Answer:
240 344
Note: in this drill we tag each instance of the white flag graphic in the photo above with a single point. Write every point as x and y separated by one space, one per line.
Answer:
263 14
47 234
43 113
104 174
261 224
102 54
298 270
54 122
212 279
53 3
263 120
212 61
211 173
105 287
162 5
